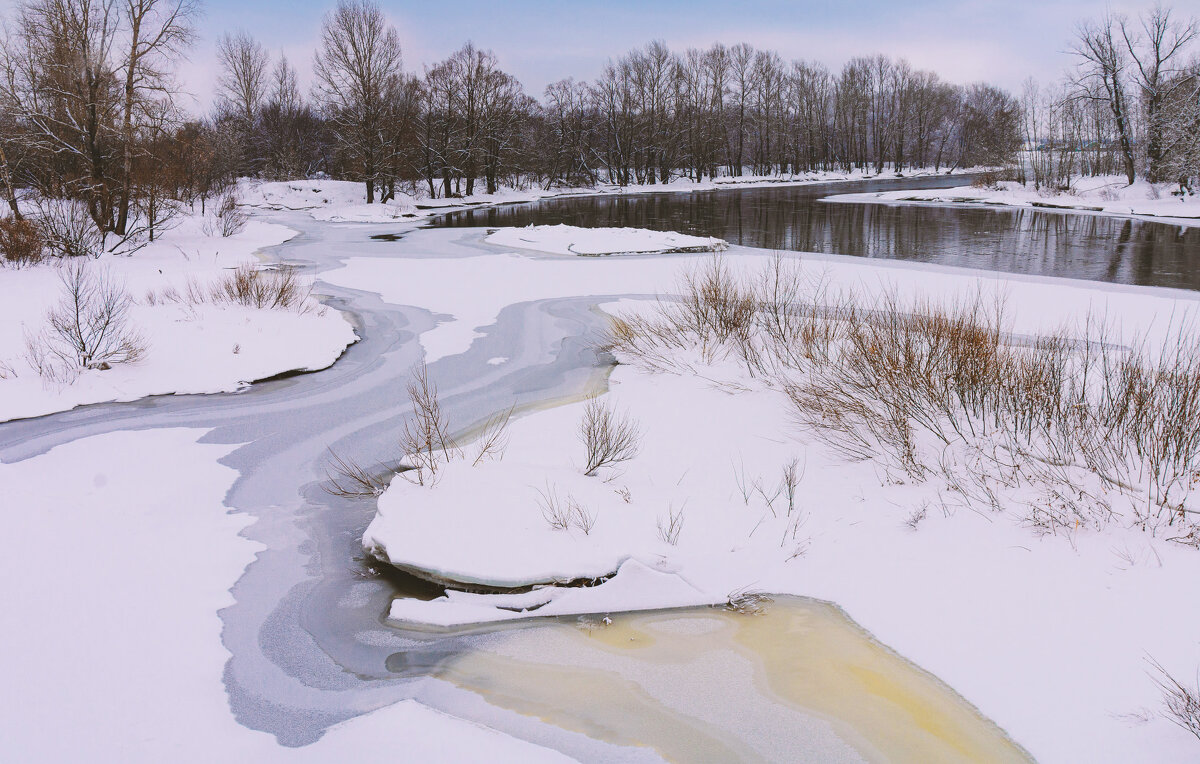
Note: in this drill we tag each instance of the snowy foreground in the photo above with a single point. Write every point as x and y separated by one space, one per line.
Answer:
1048 635
1108 195
191 345
114 645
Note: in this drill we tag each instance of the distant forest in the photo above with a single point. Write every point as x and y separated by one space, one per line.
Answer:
89 113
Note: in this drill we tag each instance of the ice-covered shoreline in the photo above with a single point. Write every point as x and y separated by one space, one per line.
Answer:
345 202
1104 195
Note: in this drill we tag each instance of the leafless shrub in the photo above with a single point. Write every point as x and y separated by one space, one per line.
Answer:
349 479
670 529
609 437
68 228
425 439
228 219
1181 703
555 509
792 474
255 288
88 328
768 497
493 440
581 517
21 242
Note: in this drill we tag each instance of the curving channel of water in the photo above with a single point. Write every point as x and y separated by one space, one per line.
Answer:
307 641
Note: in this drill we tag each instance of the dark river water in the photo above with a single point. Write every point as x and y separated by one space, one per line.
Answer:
794 218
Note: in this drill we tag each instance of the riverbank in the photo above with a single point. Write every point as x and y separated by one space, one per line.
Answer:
196 323
1104 195
345 202
703 510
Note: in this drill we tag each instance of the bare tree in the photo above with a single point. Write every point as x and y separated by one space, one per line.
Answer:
1154 49
157 32
1102 77
357 63
242 83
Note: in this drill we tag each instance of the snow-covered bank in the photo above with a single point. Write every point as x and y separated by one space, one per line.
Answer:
340 201
596 242
191 346
113 642
1047 635
1107 195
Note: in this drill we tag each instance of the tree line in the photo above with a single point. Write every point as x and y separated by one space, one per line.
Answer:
90 113
1129 106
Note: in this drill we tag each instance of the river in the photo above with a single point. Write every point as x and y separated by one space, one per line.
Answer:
308 643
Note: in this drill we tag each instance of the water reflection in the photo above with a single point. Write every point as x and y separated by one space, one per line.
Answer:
1014 240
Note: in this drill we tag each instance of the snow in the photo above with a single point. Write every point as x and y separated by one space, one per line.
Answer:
1048 636
191 348
113 642
1106 195
572 240
634 587
340 201
334 201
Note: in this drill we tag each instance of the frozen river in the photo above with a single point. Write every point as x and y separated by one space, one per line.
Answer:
308 643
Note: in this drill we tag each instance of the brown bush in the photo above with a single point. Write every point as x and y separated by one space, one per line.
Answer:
21 241
986 180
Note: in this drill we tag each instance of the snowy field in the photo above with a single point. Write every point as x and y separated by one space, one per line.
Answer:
1048 634
192 343
1108 195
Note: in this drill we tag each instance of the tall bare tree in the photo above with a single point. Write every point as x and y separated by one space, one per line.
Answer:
1102 77
242 83
1155 45
157 32
355 68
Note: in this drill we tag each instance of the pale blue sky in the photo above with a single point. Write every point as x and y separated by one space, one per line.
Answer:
539 41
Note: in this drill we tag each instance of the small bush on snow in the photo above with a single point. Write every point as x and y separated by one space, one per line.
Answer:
88 328
609 437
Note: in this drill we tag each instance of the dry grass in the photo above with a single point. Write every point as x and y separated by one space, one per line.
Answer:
671 526
609 437
1100 429
264 289
21 242
1181 702
563 512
